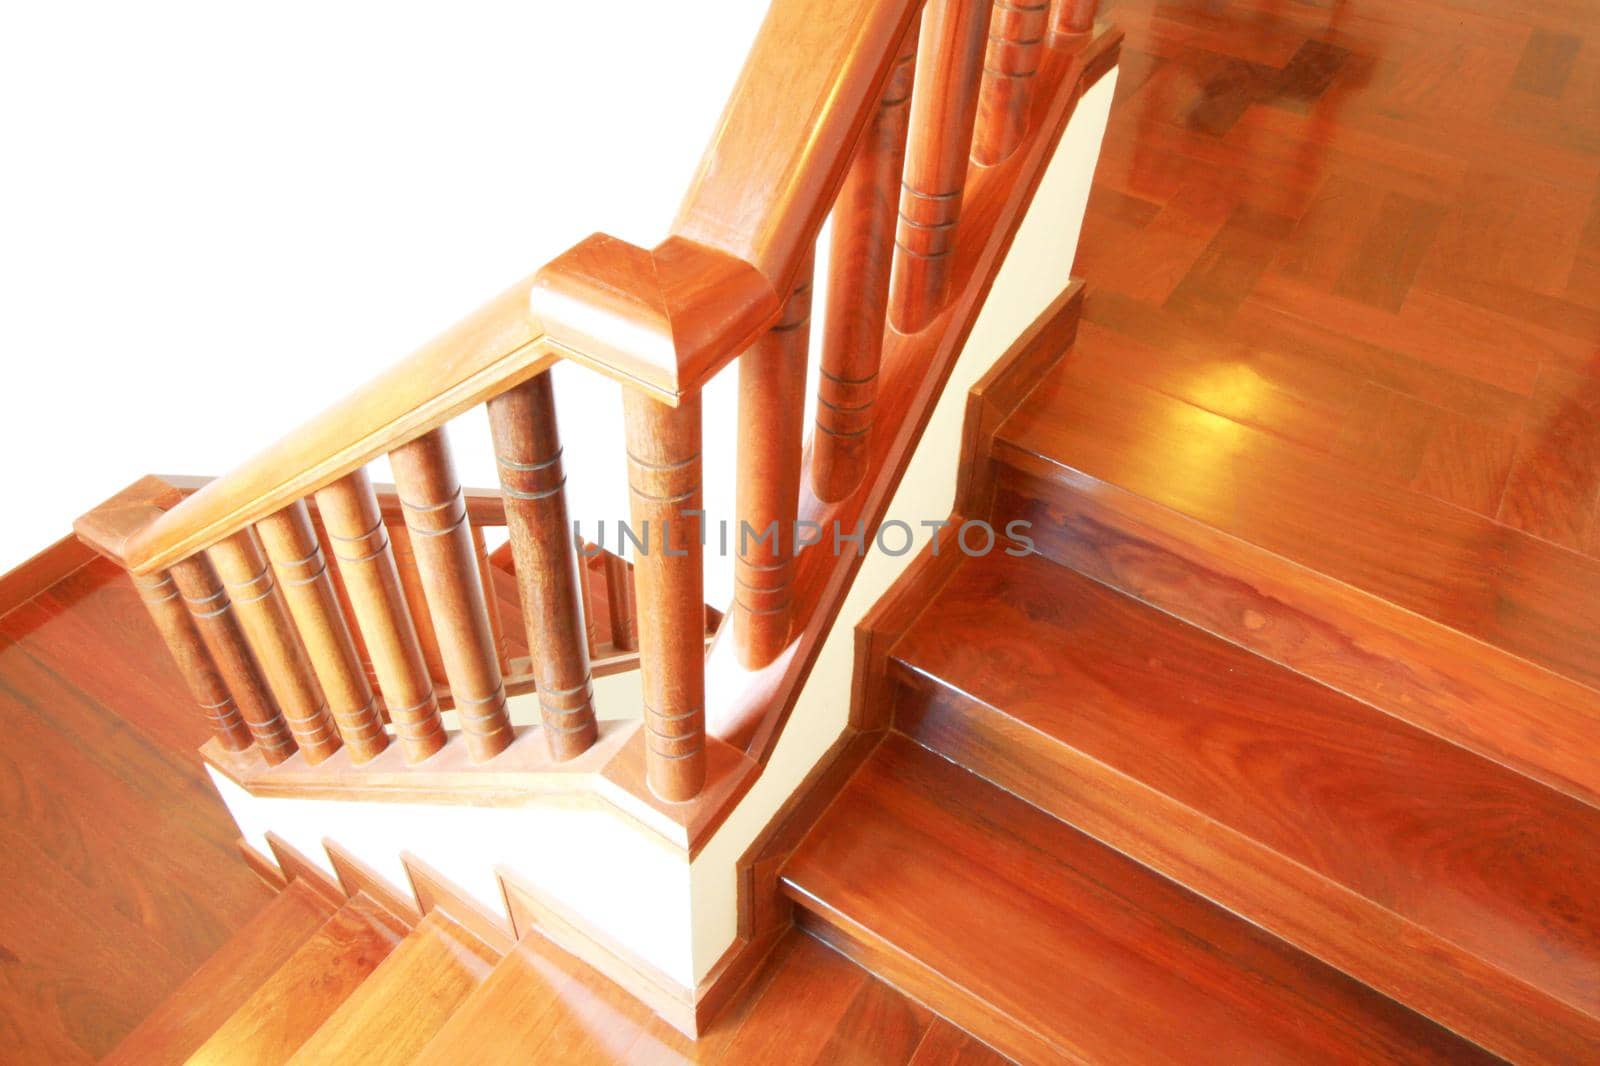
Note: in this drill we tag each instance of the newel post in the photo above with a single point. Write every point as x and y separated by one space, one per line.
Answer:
665 497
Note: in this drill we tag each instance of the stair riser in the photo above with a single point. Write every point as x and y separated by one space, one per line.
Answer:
942 993
1452 686
1316 915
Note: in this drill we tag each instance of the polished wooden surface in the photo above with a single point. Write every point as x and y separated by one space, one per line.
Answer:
402 1004
1017 31
361 549
772 404
175 1030
664 494
1054 948
528 450
773 168
259 605
165 604
441 541
1235 776
224 638
107 818
944 106
860 257
296 554
290 1006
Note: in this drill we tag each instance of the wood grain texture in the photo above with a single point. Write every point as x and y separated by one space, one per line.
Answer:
441 540
258 604
1053 948
405 1000
205 1001
296 555
527 446
944 106
290 1006
664 501
772 401
860 257
165 604
38 572
223 634
1017 31
1117 718
361 548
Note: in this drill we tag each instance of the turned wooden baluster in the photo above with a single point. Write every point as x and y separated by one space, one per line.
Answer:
296 555
621 604
165 604
858 288
1016 45
416 599
480 548
218 626
360 540
436 517
1075 16
772 381
549 579
664 487
262 615
943 107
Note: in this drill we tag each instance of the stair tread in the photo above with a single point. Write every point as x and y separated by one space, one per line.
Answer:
301 994
806 1005
1459 845
403 1003
1049 945
1522 595
224 982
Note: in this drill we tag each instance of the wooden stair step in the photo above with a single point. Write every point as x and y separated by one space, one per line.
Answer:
291 1004
407 999
807 1004
1468 628
225 981
1316 816
1052 947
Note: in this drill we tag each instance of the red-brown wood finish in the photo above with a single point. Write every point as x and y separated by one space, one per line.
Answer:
165 604
944 106
620 603
664 493
1055 949
296 555
1017 33
349 509
860 259
259 606
1074 16
549 580
405 560
480 549
436 518
772 382
219 628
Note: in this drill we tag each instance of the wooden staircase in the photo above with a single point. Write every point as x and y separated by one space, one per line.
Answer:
1221 752
325 976
1324 866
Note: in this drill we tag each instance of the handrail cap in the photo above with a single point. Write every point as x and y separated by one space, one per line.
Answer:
665 319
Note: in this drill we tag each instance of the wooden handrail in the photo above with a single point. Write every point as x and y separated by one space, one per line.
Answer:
481 356
410 603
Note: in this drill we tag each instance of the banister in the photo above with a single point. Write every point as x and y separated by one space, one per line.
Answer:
484 354
762 190
785 139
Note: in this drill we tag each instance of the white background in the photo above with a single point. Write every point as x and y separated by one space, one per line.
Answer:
217 218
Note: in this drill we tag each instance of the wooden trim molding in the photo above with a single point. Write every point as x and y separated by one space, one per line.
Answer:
356 876
37 573
434 892
262 866
297 866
